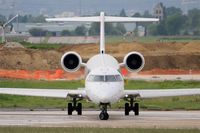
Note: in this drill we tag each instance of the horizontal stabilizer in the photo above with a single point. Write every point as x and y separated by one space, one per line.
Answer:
129 19
74 19
106 19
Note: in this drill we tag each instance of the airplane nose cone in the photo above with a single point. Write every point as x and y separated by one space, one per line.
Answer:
105 93
107 96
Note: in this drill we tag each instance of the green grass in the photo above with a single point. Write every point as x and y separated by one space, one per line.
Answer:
0 39
154 39
31 103
171 103
41 46
129 84
121 39
161 85
150 39
118 39
41 84
179 38
91 130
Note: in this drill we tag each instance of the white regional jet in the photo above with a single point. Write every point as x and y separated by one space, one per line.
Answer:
104 83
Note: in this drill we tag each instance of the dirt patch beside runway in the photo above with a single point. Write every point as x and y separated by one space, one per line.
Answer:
159 55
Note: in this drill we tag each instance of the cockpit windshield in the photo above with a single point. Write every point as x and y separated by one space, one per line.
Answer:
96 78
104 78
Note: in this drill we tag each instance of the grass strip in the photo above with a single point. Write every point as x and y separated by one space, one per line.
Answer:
92 130
169 103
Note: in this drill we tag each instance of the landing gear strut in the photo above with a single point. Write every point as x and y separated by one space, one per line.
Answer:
75 107
131 106
104 115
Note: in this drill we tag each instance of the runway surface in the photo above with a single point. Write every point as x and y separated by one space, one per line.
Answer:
147 119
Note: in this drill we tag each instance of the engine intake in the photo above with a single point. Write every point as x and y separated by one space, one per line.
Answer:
134 61
71 61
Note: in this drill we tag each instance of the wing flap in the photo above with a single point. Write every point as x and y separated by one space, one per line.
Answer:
162 93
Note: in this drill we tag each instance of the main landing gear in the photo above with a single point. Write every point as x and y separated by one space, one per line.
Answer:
75 107
131 106
104 115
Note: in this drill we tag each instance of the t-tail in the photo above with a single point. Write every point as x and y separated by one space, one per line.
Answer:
102 19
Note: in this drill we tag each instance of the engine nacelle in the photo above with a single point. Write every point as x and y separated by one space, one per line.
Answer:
71 61
134 61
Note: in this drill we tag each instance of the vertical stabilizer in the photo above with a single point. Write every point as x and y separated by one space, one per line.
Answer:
102 19
102 33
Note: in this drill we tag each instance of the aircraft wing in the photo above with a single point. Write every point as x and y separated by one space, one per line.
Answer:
56 93
160 93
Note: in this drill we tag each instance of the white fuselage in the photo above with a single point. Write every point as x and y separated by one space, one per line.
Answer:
104 91
104 83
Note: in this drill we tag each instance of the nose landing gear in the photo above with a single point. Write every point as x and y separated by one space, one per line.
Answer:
104 115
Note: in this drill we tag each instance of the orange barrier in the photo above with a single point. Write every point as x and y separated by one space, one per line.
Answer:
60 74
41 74
158 71
170 72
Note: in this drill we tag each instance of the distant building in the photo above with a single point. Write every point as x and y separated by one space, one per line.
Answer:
65 14
159 11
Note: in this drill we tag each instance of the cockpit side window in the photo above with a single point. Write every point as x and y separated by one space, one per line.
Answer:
99 78
118 77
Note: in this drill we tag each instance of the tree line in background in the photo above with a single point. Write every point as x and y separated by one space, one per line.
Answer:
110 29
177 23
174 23
94 29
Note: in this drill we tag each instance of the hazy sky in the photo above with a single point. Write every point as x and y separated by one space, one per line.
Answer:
51 7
